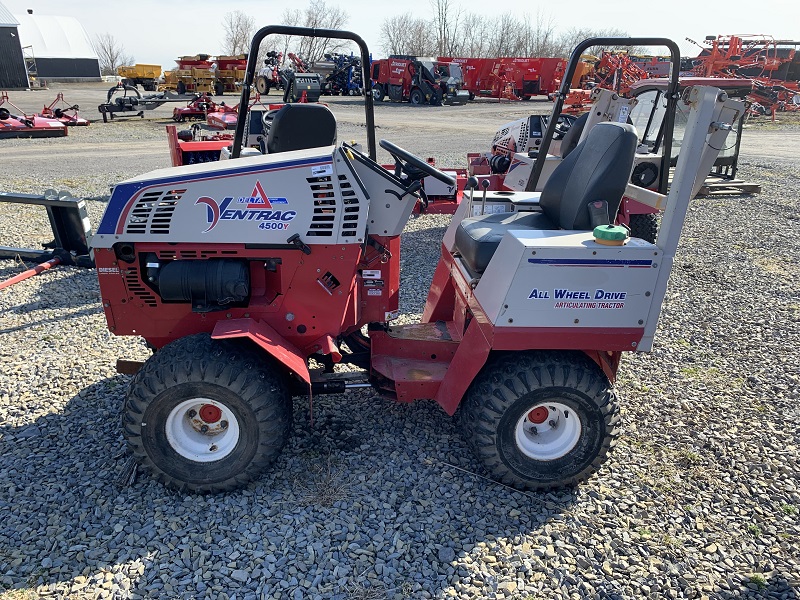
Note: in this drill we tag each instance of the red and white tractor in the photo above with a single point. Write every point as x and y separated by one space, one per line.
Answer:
238 272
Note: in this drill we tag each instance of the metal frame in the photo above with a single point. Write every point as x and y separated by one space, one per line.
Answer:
306 32
69 220
672 96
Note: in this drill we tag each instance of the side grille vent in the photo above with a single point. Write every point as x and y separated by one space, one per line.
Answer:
324 216
137 289
351 207
153 212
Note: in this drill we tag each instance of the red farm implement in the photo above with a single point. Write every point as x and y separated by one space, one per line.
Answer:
17 124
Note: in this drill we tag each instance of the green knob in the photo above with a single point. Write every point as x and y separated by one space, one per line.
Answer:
611 233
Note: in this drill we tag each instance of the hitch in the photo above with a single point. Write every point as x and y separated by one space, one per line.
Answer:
69 221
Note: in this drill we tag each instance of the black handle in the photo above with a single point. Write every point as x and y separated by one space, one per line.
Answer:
305 32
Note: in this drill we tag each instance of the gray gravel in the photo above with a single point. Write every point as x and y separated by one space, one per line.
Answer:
699 499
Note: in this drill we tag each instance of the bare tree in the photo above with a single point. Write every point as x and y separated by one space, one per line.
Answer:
317 15
572 37
540 36
321 15
110 53
405 34
474 40
447 20
239 28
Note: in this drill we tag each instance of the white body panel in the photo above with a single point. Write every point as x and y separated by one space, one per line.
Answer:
566 279
256 200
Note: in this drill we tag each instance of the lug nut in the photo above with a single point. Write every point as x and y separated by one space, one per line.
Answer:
534 431
204 429
191 414
552 423
223 424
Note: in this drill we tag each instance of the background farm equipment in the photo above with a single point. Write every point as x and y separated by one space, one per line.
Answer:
511 78
61 110
270 75
20 125
195 74
418 81
342 74
146 76
126 101
196 109
230 73
223 117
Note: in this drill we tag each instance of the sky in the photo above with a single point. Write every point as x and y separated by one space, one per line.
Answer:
157 32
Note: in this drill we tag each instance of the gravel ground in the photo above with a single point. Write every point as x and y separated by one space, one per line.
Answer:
699 499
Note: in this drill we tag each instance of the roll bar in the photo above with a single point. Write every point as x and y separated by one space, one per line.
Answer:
672 96
252 58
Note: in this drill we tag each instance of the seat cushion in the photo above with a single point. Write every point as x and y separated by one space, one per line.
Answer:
477 238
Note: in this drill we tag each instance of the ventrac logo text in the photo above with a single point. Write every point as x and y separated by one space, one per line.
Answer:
258 207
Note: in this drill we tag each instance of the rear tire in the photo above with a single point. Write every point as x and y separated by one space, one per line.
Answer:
396 93
262 85
541 420
181 88
240 399
644 227
416 97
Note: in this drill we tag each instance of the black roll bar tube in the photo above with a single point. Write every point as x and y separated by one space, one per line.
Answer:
672 99
252 58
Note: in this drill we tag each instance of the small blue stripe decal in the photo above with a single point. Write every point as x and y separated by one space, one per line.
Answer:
123 193
583 262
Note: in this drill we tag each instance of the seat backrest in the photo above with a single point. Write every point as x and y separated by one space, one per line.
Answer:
301 126
598 169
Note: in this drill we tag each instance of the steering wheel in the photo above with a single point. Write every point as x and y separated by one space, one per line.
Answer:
409 163
563 124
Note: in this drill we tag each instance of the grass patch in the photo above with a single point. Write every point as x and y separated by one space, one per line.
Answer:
758 580
325 486
788 509
754 530
688 457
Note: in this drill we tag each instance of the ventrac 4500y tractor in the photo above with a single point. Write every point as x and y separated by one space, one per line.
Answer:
238 272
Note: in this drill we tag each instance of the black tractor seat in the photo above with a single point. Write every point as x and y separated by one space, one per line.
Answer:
301 126
597 169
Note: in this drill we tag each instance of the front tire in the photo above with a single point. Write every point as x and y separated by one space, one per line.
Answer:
206 416
378 93
416 97
541 420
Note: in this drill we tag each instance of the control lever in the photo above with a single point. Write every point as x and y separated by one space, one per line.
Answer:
485 186
297 242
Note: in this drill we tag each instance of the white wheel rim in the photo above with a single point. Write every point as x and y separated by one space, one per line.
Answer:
202 440
548 430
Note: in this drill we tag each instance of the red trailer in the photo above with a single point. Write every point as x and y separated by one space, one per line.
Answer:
510 77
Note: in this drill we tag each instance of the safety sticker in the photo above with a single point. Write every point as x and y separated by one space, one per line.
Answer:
371 274
321 170
374 292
